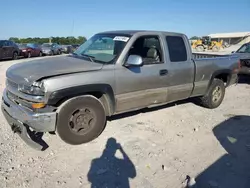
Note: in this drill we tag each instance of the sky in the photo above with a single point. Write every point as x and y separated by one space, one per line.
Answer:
45 18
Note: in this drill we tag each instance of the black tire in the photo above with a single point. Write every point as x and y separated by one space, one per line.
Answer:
213 99
15 56
77 111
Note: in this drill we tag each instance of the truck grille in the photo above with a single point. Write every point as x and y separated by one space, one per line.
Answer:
19 100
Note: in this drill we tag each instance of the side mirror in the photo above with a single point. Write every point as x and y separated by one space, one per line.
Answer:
134 60
233 52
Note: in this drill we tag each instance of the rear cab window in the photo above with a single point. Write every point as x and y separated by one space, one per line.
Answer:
176 48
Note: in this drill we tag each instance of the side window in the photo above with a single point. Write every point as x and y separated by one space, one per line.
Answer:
1 44
149 48
7 43
176 48
248 48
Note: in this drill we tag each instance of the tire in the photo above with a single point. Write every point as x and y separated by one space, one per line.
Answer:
14 56
40 54
215 94
199 48
215 49
52 53
29 55
81 120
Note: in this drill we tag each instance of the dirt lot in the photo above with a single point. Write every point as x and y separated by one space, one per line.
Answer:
153 148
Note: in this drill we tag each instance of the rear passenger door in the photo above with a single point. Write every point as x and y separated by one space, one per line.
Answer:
180 68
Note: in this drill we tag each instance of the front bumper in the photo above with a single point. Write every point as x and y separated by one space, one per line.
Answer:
22 119
47 52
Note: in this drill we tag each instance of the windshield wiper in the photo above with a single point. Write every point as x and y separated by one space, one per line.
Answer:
91 58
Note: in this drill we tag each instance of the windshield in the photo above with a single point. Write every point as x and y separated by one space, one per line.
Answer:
244 49
104 48
22 45
46 45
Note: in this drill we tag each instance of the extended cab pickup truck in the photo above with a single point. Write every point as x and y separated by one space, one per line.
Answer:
113 72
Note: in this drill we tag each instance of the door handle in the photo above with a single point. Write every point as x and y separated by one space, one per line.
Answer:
163 72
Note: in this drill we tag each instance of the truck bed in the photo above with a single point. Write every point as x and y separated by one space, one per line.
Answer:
208 55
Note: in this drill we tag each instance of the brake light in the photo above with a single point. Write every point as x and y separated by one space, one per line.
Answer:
24 50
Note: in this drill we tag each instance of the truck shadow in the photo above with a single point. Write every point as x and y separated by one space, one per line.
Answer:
146 110
232 170
110 171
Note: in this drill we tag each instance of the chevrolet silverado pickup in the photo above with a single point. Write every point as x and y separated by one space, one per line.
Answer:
112 72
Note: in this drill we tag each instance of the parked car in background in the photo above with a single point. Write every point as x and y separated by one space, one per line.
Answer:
30 50
8 50
75 46
244 54
51 49
66 49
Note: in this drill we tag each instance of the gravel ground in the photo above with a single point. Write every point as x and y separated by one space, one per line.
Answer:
154 148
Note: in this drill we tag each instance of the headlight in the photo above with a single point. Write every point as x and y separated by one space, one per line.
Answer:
36 89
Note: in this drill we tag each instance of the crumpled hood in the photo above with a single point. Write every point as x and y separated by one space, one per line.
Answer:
31 71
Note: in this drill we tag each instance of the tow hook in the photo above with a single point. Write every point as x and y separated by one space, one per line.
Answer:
16 129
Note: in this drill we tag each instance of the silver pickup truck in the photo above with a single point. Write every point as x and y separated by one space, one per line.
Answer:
113 72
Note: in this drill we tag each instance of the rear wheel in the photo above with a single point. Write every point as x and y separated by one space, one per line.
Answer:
199 48
14 56
81 120
215 94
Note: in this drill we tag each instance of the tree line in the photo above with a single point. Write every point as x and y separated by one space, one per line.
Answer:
58 40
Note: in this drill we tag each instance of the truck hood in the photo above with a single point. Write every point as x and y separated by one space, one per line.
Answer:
31 71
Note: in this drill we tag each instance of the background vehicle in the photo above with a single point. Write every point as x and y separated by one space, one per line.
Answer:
8 50
30 50
66 49
205 43
111 73
51 49
244 53
75 46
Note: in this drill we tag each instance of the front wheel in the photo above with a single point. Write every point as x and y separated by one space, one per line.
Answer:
215 94
199 48
81 120
14 56
40 54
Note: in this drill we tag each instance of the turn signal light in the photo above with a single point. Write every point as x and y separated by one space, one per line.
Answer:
38 105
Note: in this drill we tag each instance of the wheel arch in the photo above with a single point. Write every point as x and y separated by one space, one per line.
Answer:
224 75
103 92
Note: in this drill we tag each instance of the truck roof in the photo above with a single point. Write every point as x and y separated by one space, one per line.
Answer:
132 32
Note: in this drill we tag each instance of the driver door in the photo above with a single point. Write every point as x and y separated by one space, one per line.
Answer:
139 87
